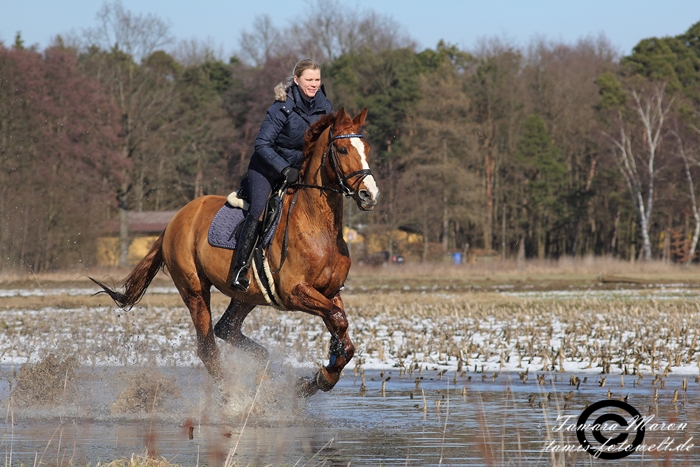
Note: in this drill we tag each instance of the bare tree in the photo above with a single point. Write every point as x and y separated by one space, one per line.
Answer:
191 52
261 44
143 93
496 93
686 162
691 188
637 162
137 35
334 31
59 136
560 79
331 30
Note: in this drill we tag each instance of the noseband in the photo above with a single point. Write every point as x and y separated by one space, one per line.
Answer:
343 179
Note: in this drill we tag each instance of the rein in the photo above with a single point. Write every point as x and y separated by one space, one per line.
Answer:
343 181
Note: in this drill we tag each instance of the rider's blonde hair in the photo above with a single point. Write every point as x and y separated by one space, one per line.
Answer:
303 65
297 71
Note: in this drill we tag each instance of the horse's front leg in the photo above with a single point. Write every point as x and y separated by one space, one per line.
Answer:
333 314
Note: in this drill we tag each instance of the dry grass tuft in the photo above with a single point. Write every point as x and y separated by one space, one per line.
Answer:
147 392
138 461
47 382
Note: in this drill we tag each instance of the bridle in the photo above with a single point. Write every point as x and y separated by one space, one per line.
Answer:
344 180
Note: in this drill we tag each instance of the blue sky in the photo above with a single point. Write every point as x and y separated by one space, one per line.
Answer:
460 22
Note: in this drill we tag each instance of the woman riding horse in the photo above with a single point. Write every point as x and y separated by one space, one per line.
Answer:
278 153
307 254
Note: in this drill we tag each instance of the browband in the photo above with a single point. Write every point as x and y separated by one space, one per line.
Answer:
351 135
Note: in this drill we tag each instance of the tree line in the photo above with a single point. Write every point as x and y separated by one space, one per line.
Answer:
539 152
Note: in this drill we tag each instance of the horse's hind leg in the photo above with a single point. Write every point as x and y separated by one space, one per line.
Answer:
197 300
229 329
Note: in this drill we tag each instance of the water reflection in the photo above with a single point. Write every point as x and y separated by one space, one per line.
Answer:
467 421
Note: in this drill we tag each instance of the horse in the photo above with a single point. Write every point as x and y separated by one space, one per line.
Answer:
307 254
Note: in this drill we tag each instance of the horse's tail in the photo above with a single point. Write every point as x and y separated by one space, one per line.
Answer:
139 279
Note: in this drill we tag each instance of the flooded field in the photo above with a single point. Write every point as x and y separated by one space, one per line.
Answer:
439 378
469 422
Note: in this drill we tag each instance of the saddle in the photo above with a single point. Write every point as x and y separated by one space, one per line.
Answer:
227 224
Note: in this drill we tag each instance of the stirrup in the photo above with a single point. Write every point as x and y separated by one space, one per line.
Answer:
240 280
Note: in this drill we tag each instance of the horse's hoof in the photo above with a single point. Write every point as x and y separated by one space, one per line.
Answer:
306 386
322 383
221 331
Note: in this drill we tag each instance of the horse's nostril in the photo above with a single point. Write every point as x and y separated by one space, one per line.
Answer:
365 194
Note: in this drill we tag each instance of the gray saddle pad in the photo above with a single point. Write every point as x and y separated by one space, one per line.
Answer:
223 227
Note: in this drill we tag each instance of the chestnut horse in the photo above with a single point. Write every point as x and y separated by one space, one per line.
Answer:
308 254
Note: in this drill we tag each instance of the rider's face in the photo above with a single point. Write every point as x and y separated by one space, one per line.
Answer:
309 82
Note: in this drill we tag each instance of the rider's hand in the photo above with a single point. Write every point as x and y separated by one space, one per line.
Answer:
290 174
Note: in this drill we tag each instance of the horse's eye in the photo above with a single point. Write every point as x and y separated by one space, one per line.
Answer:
343 150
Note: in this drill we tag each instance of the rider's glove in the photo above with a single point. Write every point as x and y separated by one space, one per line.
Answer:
290 174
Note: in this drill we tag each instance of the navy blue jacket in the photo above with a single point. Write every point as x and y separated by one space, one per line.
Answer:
280 141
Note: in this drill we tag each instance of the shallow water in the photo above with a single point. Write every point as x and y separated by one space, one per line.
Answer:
474 419
470 421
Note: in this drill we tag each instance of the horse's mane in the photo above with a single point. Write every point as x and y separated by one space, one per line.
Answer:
314 132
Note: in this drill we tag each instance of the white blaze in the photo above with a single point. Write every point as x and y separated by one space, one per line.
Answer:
370 183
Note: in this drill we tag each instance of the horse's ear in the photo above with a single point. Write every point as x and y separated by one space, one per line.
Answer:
340 116
360 119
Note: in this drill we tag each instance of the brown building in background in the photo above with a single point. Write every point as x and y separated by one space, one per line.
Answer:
144 229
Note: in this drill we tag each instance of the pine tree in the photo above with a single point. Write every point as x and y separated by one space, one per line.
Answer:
543 176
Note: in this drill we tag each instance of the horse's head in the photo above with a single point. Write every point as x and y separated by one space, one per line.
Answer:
347 154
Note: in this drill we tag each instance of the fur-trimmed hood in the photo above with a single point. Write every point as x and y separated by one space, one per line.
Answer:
281 90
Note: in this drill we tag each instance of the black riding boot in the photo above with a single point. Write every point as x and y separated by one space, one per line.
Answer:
244 249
